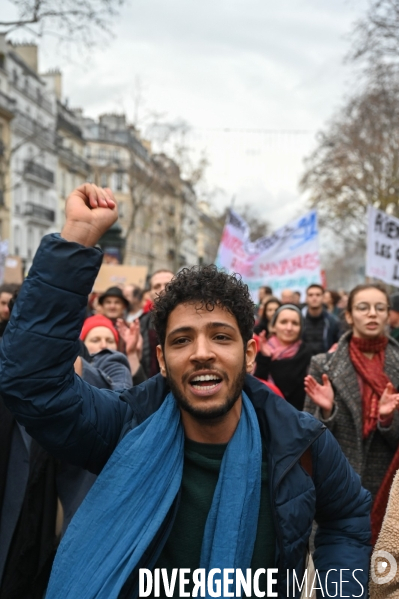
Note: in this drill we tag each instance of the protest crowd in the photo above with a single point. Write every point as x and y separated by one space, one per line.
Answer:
182 426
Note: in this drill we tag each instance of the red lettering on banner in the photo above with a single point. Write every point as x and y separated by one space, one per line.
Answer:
242 268
290 265
234 244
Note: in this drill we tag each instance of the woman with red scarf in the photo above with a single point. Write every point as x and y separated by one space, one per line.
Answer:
354 392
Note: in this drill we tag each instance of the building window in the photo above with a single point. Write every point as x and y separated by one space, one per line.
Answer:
15 77
17 240
63 185
102 154
17 200
104 180
119 181
30 243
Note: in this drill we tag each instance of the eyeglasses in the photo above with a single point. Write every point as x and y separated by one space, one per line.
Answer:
365 307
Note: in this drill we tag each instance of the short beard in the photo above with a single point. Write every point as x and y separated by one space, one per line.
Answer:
216 413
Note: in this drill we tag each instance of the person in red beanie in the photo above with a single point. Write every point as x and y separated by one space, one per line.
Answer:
99 333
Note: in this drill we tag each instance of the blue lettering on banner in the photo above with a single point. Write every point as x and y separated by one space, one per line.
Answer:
306 231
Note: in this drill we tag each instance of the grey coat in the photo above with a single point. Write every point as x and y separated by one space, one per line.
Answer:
369 457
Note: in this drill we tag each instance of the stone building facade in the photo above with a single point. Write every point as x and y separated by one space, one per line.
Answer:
157 209
47 150
33 159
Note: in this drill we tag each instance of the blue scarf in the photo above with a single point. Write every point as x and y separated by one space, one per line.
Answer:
130 499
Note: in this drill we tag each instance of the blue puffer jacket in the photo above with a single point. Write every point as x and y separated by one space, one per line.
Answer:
82 424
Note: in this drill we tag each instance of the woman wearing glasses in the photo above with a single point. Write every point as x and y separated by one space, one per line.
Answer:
354 392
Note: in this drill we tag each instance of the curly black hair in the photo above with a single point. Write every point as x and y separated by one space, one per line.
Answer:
207 287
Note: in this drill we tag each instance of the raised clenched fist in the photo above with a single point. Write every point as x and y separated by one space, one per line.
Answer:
90 211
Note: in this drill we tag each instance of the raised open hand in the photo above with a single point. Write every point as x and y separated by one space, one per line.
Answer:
90 211
389 401
322 395
133 339
264 347
131 335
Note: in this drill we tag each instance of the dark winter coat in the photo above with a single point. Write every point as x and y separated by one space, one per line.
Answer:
369 457
149 360
330 330
288 374
84 424
34 542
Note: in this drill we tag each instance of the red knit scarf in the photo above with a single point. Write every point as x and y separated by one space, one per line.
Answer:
372 374
374 382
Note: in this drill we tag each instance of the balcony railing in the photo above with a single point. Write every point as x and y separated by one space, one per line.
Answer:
39 212
36 96
7 103
74 161
29 126
31 168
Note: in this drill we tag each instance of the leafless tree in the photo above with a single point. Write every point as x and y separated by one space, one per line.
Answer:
375 37
81 22
173 139
258 225
356 161
145 197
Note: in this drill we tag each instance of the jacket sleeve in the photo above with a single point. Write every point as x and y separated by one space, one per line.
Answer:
343 538
391 433
71 419
115 367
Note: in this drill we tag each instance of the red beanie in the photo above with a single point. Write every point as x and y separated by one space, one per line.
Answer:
98 321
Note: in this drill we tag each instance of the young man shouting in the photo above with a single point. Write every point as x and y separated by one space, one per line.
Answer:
201 466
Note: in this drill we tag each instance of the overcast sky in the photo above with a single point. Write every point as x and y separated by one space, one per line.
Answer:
249 66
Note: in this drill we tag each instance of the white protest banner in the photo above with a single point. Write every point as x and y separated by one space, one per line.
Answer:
288 259
382 247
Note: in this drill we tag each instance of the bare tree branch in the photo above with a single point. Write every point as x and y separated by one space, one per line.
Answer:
356 161
77 21
258 225
375 37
